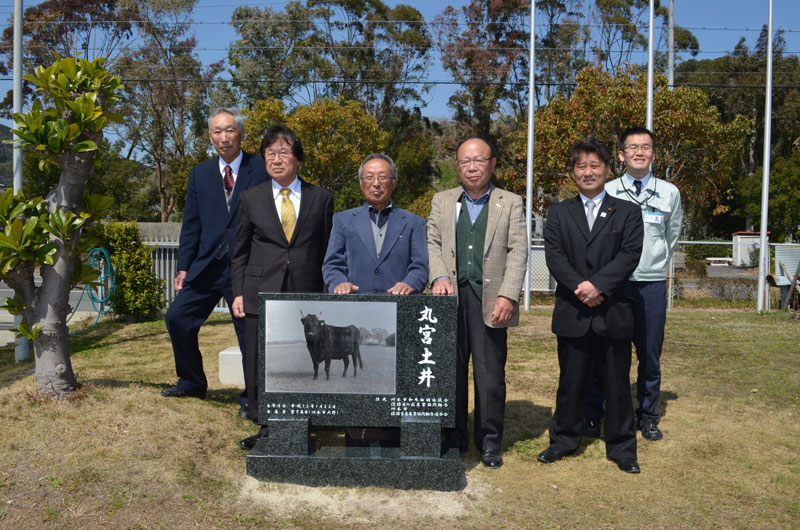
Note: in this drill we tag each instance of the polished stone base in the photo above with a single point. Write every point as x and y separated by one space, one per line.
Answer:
359 466
422 460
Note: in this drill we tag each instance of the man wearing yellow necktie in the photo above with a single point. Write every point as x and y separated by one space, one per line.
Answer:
284 225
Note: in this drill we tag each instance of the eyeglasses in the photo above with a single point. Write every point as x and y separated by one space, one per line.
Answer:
645 148
228 130
272 155
383 179
466 162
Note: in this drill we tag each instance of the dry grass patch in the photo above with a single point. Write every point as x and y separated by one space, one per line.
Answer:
119 455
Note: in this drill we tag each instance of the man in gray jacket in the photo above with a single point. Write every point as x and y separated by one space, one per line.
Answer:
660 202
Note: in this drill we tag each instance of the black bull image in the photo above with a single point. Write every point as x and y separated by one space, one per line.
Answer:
331 342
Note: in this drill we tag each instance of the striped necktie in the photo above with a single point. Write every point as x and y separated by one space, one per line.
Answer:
287 214
590 206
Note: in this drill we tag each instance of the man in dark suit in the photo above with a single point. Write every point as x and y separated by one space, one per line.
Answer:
208 237
284 226
592 244
377 248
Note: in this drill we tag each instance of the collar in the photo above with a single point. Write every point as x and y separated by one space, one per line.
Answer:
480 200
645 179
375 210
294 186
597 199
237 162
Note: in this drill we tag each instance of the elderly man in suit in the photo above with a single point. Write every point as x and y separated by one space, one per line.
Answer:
478 251
283 231
592 245
207 240
376 248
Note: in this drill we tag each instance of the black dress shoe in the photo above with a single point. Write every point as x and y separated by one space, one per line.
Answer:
650 430
249 442
180 392
549 455
244 412
629 465
591 428
492 458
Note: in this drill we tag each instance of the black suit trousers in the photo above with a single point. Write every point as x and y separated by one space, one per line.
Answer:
489 350
612 364
187 313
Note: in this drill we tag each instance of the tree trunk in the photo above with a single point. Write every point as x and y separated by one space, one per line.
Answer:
48 305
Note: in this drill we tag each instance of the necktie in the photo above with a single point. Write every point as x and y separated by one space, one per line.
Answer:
287 214
638 185
590 206
228 180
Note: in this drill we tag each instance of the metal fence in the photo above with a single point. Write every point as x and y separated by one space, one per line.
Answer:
703 271
707 271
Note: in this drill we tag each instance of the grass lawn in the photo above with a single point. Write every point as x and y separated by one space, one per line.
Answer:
118 455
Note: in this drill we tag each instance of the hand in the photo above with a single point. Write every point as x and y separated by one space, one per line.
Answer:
177 282
588 294
345 288
401 288
238 307
503 309
442 286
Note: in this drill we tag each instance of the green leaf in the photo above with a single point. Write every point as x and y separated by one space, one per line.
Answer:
84 146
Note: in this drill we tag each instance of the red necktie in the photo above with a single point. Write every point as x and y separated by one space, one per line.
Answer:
228 180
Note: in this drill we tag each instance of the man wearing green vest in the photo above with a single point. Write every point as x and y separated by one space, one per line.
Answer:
477 251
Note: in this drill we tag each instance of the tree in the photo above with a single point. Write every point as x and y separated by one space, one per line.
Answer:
695 150
127 181
95 29
561 51
358 50
277 52
167 103
336 136
784 196
489 59
624 26
46 234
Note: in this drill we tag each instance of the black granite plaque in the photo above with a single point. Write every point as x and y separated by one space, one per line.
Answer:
360 360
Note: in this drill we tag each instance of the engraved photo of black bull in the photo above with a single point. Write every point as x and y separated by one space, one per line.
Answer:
327 342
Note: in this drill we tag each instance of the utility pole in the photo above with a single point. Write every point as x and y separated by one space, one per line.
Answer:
763 257
529 179
21 352
671 46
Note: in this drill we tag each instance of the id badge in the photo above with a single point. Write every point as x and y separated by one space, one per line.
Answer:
653 217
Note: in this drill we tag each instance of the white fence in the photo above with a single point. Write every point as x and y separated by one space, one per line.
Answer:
712 275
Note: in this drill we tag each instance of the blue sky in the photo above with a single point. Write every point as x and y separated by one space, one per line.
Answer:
718 25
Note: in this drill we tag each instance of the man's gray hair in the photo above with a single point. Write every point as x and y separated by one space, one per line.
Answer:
379 156
233 112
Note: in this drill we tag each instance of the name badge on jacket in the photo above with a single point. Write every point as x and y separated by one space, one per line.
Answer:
653 217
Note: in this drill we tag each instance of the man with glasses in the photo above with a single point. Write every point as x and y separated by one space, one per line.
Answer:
208 237
660 203
478 252
284 226
376 248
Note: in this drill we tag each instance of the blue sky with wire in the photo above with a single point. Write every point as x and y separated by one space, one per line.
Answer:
717 24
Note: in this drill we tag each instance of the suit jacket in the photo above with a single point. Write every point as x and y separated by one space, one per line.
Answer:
505 251
209 227
264 259
351 255
606 256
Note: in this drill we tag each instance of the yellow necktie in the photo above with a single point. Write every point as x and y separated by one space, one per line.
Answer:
287 214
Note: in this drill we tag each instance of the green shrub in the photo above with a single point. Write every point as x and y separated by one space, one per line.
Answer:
139 294
702 251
